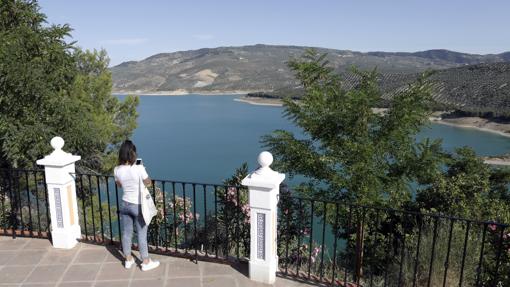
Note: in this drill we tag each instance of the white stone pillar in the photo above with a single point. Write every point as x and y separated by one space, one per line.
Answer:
59 171
264 188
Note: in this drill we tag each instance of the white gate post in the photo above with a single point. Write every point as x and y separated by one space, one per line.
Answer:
264 189
61 186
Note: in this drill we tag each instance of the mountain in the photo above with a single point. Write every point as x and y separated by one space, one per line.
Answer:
262 68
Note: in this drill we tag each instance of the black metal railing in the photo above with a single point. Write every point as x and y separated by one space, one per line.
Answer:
326 242
24 203
341 244
194 220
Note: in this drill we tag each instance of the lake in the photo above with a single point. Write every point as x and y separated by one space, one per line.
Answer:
205 138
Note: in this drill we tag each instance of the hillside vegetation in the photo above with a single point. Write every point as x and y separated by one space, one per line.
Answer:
468 82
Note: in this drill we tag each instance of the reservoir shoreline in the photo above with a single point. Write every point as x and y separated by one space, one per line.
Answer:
481 124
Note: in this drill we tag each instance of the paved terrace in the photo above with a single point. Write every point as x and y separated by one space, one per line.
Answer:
34 262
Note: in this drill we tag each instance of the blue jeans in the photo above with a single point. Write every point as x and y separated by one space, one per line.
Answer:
132 213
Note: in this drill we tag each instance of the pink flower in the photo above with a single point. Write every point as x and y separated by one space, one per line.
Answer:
492 227
231 191
316 250
246 210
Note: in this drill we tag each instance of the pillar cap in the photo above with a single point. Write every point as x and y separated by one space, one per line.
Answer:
58 157
264 176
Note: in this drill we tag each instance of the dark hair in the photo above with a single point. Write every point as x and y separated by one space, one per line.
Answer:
127 153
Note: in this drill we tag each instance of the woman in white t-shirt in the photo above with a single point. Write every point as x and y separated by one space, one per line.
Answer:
129 176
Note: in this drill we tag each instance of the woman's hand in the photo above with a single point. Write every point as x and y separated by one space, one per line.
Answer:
147 181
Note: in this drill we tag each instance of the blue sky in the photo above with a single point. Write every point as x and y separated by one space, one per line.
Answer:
134 30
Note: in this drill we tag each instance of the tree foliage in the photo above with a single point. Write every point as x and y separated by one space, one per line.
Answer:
468 188
50 87
351 152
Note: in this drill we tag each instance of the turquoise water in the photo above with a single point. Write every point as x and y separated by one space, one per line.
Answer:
205 138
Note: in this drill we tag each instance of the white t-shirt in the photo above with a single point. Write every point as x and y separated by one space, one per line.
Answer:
129 178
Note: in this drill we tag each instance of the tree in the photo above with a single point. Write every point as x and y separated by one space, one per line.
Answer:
50 87
350 152
468 188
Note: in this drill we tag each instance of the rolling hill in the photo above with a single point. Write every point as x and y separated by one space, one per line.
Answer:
466 81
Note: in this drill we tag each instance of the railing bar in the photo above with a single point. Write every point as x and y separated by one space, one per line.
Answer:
109 208
175 216
118 212
29 206
359 248
498 257
83 207
402 258
48 218
92 209
155 238
216 220
479 269
464 250
321 265
311 239
100 207
403 211
22 169
185 217
434 238
4 195
238 204
349 221
287 212
205 221
388 251
195 220
226 223
20 204
186 182
420 222
165 215
37 204
299 237
377 222
6 184
335 230
447 259
14 205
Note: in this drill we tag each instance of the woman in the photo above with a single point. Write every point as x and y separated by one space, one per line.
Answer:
129 175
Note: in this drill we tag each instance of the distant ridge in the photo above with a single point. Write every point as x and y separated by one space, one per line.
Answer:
262 68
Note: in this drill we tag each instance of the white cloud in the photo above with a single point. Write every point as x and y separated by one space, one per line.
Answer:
203 37
125 41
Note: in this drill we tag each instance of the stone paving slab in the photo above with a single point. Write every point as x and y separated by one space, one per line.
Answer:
34 262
